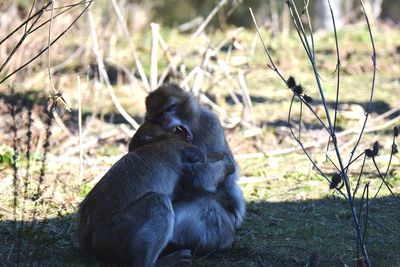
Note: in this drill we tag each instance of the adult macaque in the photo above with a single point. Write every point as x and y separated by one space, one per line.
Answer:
128 216
204 220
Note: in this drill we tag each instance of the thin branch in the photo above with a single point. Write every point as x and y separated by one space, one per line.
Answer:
23 24
306 3
45 49
383 226
382 177
78 85
369 107
359 177
29 15
337 67
272 66
49 50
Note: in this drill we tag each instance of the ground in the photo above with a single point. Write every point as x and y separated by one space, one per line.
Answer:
293 218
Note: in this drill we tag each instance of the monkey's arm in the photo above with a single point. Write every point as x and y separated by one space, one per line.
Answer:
207 176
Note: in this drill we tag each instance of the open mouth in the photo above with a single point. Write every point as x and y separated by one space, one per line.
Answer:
184 132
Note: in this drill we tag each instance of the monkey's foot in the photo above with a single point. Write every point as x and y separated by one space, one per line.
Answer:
179 257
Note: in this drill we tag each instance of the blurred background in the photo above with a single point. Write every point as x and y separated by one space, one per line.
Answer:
107 56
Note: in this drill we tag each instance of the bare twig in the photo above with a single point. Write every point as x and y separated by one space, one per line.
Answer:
246 97
330 126
383 226
369 106
78 85
337 67
43 50
154 55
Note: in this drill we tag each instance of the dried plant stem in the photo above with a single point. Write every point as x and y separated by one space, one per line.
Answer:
43 50
248 110
154 55
209 18
131 45
78 85
49 50
104 76
356 222
330 125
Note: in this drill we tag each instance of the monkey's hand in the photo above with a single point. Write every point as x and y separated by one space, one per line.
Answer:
207 176
229 165
193 155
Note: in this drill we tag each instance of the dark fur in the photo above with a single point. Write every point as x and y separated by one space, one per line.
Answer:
205 220
128 216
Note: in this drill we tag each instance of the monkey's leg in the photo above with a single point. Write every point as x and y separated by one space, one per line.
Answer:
202 225
138 233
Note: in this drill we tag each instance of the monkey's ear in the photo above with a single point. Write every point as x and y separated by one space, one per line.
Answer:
193 155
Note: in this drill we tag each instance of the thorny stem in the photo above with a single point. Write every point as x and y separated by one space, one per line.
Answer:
306 45
350 200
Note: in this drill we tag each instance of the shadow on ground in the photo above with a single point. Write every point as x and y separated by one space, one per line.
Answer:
274 234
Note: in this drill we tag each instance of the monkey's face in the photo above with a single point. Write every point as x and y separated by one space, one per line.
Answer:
169 107
149 133
146 134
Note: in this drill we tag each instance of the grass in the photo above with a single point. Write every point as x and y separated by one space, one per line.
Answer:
291 213
288 219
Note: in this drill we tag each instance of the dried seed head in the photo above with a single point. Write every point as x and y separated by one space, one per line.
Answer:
374 151
394 149
307 98
291 82
375 148
298 89
336 178
395 131
369 153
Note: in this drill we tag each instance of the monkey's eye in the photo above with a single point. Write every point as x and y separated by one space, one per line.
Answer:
172 108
